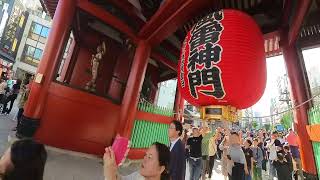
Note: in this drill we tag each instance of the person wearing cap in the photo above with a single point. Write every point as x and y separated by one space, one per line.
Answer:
194 146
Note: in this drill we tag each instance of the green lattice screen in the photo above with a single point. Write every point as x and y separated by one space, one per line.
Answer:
145 133
314 118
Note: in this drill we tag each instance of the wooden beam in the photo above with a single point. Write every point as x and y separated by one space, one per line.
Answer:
318 3
187 10
294 30
130 10
287 11
163 13
108 18
160 58
168 77
50 6
171 48
272 37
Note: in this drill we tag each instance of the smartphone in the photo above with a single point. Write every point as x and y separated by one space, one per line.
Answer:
120 148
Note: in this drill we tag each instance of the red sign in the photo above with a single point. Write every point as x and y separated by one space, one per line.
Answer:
223 61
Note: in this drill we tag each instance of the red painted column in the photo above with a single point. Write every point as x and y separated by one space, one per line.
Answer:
62 22
298 96
134 85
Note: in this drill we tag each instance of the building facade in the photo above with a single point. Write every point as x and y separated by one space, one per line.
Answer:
32 44
6 8
12 22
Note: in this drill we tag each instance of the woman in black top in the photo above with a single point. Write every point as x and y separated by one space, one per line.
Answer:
249 155
282 167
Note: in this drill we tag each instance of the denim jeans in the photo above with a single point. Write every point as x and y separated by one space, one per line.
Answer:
195 168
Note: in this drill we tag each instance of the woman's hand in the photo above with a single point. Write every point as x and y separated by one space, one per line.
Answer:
109 165
246 171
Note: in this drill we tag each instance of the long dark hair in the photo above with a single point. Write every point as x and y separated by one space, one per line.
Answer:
28 158
164 159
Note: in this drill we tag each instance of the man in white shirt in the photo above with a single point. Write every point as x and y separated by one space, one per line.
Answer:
274 147
177 151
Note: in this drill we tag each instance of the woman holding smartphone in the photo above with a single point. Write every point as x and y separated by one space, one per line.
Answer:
155 165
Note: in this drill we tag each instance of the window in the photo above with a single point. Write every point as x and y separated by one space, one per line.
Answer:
37 54
31 55
30 50
45 32
37 28
39 32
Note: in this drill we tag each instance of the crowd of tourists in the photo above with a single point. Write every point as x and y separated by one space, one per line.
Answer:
9 92
243 155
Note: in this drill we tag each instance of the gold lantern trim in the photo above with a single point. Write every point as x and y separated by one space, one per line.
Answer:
219 112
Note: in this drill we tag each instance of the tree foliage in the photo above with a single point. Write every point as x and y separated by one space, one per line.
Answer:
267 127
286 120
254 124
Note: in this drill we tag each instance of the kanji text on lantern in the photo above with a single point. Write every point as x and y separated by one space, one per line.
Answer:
205 54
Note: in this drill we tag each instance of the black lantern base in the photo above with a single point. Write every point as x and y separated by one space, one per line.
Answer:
27 127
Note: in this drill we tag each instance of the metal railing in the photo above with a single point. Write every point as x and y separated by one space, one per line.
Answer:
154 109
314 118
145 133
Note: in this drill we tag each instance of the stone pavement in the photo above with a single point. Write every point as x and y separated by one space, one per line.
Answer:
6 125
61 165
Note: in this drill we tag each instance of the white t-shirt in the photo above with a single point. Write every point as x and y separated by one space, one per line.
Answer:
273 151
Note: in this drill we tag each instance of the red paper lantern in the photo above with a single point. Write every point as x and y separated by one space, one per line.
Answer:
223 61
